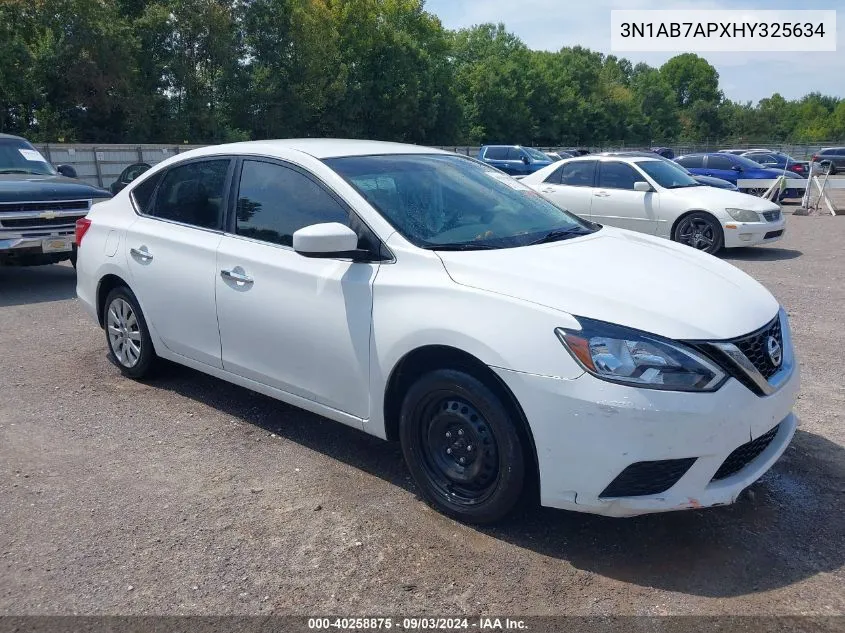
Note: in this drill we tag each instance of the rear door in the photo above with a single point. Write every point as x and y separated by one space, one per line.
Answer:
496 157
571 186
616 203
171 255
693 164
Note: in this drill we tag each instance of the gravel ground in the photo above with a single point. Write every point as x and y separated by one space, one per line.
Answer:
188 495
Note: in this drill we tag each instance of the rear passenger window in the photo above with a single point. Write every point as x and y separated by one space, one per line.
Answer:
193 194
691 162
496 153
143 193
575 174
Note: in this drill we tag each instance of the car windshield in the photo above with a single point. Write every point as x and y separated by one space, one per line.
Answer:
667 174
19 157
442 201
535 154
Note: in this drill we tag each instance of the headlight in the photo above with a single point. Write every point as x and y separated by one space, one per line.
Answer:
744 215
635 358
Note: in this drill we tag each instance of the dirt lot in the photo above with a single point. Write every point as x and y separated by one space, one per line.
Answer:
188 495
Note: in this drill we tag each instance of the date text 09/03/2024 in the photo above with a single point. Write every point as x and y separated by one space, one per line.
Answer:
418 624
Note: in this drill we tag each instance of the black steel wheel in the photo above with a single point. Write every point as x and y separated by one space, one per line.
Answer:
701 231
461 446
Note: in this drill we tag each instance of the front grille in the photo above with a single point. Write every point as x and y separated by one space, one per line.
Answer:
57 205
745 454
69 220
772 216
648 478
772 234
755 347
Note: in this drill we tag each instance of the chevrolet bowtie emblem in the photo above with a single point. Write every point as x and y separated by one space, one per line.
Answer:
48 215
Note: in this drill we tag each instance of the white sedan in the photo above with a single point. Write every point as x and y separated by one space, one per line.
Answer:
654 196
425 297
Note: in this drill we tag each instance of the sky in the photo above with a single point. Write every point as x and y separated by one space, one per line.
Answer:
553 24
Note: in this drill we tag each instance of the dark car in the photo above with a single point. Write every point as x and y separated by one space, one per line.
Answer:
779 160
514 159
733 168
38 205
741 151
831 159
128 175
703 180
665 152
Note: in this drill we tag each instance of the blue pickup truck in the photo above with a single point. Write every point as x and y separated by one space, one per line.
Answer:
514 159
39 206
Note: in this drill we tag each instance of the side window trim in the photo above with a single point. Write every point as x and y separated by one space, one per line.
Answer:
227 190
230 222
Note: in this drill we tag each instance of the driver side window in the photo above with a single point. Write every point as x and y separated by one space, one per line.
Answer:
276 201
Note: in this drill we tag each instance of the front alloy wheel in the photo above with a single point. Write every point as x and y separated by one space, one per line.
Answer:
701 231
462 447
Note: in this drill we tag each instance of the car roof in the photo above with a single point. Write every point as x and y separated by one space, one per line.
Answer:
12 136
317 147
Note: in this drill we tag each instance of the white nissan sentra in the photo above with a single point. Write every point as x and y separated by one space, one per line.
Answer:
425 297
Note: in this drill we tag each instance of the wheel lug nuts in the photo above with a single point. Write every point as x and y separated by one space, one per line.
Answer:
469 447
462 460
448 451
460 431
448 434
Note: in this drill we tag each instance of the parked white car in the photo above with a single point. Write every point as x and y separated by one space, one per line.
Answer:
654 196
425 297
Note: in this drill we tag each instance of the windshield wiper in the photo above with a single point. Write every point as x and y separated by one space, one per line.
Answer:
560 234
460 246
16 171
692 184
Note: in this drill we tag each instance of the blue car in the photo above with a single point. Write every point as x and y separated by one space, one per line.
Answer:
732 168
780 161
514 159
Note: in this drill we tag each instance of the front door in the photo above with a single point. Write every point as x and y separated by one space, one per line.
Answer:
171 251
295 323
616 203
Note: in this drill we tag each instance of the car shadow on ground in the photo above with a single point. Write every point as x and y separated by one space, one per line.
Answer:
21 285
759 254
784 529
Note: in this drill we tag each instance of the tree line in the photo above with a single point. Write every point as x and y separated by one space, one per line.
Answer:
204 71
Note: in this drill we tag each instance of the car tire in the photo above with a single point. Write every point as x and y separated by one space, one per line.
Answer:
701 231
829 169
462 446
127 335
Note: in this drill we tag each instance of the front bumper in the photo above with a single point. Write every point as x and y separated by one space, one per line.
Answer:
588 431
56 246
753 233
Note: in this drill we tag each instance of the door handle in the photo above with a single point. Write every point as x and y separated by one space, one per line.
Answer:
235 276
601 194
141 254
547 189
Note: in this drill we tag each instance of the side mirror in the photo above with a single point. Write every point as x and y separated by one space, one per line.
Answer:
642 185
67 171
525 159
327 240
736 167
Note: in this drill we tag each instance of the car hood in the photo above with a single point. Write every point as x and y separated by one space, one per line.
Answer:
714 199
710 181
32 188
625 278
